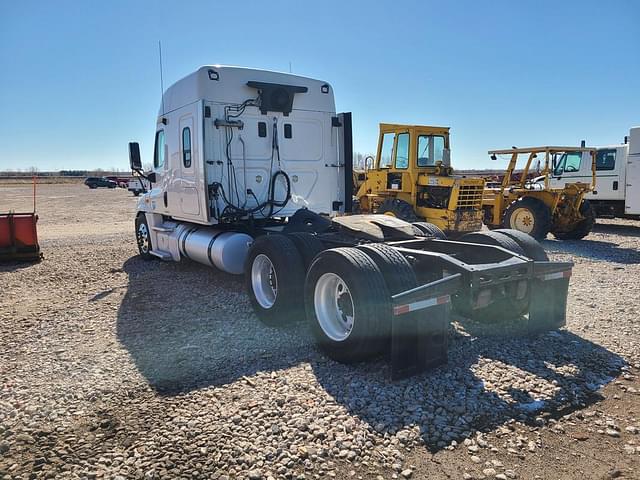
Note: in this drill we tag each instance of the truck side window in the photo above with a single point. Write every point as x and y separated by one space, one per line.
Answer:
158 152
568 163
186 147
387 150
572 162
402 151
606 160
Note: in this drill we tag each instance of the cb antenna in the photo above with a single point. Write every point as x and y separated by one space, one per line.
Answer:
161 80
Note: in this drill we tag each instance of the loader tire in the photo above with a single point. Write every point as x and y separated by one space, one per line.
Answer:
529 215
274 278
430 230
530 245
308 245
143 237
583 227
494 238
348 305
398 208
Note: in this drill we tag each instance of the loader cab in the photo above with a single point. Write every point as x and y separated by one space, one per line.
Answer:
412 179
407 151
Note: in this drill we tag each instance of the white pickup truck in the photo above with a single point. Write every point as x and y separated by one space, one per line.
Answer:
138 185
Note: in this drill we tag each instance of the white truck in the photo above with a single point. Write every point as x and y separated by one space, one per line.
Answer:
253 175
617 190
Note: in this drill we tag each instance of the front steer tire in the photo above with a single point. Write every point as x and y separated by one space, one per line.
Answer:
274 279
143 237
348 305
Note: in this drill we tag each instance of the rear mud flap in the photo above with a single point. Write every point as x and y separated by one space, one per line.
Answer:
549 290
419 329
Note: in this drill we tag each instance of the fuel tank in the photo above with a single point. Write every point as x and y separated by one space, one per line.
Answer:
222 249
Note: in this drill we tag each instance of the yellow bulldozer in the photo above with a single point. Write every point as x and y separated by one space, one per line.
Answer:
412 179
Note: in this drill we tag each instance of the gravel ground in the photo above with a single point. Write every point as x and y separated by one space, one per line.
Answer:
112 367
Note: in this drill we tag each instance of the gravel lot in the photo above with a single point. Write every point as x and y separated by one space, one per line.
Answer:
112 367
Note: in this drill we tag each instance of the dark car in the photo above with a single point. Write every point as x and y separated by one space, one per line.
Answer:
95 182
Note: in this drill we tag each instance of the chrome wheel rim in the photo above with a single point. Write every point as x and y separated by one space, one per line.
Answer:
264 281
143 238
522 219
334 307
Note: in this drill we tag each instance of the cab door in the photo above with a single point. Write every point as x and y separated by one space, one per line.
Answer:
187 188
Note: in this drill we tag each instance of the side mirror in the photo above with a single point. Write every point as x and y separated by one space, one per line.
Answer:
134 156
152 177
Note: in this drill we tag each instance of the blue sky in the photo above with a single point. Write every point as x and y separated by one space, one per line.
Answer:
78 80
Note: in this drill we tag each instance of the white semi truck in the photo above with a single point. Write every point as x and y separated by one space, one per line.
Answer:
253 175
617 190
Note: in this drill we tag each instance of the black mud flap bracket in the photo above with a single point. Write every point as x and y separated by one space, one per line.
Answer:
549 290
419 328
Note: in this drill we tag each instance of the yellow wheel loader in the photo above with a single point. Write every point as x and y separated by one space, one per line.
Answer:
412 179
531 205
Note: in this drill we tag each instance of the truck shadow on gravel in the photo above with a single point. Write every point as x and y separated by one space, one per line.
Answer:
594 249
188 327
488 382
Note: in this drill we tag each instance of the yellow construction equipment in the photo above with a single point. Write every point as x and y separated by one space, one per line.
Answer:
532 205
412 179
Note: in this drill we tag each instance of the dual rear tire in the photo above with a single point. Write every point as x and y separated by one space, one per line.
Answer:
344 293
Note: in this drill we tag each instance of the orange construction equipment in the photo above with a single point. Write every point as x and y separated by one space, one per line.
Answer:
18 234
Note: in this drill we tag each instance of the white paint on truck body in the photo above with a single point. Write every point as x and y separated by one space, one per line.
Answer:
191 152
617 174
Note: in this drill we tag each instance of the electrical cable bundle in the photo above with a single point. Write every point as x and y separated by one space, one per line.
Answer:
234 211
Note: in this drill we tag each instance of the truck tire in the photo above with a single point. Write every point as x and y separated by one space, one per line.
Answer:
583 227
348 305
494 238
396 271
308 245
430 230
395 268
529 215
136 193
398 208
274 278
143 237
530 245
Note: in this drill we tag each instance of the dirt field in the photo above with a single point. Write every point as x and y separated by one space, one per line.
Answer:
112 367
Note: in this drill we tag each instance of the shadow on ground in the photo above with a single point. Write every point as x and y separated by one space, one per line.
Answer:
624 230
594 249
187 327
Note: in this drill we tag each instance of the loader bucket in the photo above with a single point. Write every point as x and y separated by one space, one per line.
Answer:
419 329
18 237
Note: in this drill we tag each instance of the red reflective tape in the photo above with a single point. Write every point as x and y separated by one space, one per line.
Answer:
443 299
400 309
567 274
